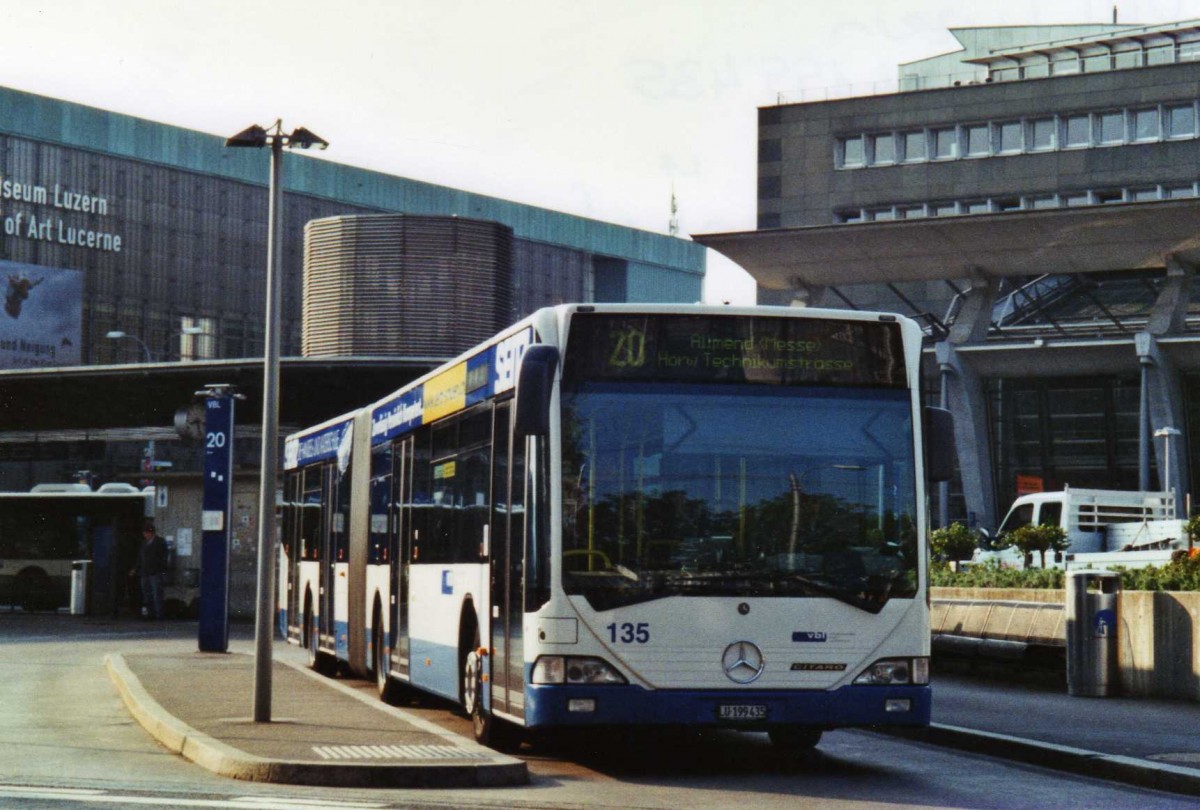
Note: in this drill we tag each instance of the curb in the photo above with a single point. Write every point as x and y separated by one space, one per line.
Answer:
1079 761
225 760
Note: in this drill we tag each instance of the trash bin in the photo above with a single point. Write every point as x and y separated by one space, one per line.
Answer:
1093 617
80 571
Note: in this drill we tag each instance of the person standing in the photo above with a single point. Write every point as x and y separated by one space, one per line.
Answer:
152 567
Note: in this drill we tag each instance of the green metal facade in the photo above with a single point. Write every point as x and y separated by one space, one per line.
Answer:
78 126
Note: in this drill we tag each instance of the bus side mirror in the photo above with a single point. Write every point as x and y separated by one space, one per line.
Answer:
535 381
939 444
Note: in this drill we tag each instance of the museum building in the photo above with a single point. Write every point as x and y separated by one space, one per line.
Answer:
129 242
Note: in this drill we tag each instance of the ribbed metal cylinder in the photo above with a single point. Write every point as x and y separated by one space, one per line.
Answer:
402 285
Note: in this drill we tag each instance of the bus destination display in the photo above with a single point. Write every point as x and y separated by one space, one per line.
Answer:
723 349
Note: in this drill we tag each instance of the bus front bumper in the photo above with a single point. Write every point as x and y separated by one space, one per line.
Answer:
562 706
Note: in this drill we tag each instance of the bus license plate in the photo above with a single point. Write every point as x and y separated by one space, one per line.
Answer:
742 711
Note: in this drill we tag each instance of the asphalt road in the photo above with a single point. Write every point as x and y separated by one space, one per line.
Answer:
63 729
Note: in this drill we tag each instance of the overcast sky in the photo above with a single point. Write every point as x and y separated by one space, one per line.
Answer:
594 108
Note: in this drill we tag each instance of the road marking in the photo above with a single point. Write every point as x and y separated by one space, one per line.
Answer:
1187 758
420 723
11 790
125 800
267 801
393 752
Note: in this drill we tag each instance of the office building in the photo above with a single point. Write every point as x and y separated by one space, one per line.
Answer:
1032 200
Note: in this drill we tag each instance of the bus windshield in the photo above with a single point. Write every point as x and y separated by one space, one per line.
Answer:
738 490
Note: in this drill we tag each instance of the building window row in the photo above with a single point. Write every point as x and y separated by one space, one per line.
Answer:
1018 136
1005 204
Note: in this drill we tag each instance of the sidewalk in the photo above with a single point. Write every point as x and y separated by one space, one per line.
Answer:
1138 741
322 732
327 733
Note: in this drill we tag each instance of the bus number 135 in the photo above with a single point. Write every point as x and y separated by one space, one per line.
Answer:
629 633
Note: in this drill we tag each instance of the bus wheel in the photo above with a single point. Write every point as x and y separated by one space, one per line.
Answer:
317 660
491 731
486 728
472 678
34 590
389 690
794 738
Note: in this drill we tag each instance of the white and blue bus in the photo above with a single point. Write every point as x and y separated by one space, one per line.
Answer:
627 515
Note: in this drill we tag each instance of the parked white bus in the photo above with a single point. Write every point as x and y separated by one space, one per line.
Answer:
629 515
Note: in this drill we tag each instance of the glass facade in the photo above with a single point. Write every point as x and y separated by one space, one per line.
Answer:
176 259
1081 432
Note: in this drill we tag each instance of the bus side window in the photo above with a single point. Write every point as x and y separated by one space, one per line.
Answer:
422 496
381 489
310 519
288 538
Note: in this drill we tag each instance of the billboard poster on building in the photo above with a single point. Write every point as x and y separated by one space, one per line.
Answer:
43 311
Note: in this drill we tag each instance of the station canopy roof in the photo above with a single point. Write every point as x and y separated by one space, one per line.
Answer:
1137 35
1088 239
140 400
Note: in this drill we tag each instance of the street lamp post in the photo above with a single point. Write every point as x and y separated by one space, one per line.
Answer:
257 137
117 334
1166 434
188 332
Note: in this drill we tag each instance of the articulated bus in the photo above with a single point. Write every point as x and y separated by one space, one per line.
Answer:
620 515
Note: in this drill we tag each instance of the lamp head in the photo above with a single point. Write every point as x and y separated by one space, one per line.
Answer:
115 334
252 136
305 139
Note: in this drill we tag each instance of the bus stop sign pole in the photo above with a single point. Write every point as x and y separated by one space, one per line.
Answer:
214 542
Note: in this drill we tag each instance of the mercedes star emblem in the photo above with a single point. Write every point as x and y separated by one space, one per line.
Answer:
742 661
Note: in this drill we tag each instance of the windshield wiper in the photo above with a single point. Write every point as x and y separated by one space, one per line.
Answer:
858 599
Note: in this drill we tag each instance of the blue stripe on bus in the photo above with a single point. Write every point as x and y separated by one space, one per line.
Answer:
341 643
546 706
318 446
440 675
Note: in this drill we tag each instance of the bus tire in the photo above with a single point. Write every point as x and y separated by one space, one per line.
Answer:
794 738
34 590
493 732
485 727
389 690
471 666
317 660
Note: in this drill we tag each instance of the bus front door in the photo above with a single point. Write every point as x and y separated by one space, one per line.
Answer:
506 558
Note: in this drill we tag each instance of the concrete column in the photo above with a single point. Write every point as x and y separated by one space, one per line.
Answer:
1164 396
807 295
1145 431
1170 309
975 315
964 397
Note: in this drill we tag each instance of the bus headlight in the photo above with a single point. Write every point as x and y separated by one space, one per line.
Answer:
573 669
896 671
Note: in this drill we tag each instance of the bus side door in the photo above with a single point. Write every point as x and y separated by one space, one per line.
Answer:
401 551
